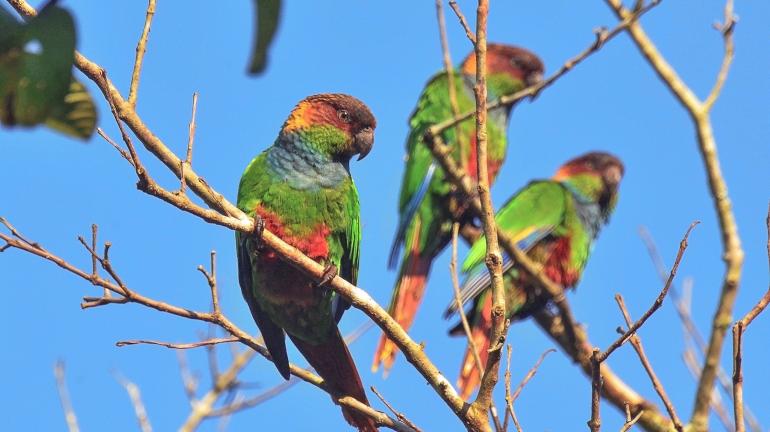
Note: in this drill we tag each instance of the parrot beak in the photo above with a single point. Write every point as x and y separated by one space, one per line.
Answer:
534 78
613 175
364 142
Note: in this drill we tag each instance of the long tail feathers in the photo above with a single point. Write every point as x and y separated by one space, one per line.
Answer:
334 364
470 376
407 297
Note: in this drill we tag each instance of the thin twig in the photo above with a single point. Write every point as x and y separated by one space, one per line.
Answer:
187 162
136 400
64 397
189 380
458 301
447 59
463 21
509 411
691 362
141 48
726 28
219 319
602 36
738 329
115 145
682 304
658 301
530 374
595 423
630 421
207 342
401 417
636 342
211 279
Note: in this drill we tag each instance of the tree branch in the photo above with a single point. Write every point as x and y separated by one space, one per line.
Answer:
141 48
738 329
732 253
224 213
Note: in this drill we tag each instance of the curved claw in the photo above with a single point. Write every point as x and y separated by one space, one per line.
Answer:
259 228
330 272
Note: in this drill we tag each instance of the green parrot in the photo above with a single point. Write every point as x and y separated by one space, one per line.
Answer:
555 222
301 190
428 205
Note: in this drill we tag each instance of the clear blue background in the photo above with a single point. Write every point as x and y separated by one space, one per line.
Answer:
382 52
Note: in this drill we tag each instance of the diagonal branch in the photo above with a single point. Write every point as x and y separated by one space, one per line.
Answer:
636 342
602 36
224 213
219 319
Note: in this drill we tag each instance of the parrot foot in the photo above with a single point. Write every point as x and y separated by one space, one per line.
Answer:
259 228
330 272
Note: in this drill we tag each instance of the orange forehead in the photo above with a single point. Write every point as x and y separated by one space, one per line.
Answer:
310 113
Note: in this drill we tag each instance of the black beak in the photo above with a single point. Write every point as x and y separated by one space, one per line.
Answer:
364 142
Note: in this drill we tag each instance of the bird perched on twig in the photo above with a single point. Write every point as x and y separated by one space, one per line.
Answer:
428 205
300 188
555 222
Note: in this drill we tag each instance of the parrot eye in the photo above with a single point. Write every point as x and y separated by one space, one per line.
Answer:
344 115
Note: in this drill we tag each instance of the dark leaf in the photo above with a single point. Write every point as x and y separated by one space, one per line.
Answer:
267 13
76 116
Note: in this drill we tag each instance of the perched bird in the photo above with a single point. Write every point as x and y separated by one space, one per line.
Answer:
555 222
301 189
428 205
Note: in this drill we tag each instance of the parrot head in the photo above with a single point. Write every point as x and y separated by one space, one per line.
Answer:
509 68
337 125
596 177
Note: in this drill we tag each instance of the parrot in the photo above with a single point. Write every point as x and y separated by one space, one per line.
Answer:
555 222
428 204
301 190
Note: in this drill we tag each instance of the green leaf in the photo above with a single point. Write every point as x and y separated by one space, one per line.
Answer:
76 116
45 68
267 16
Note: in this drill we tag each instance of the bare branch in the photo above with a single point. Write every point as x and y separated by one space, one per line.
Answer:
191 345
463 21
530 374
136 400
595 423
658 301
187 162
227 214
494 258
458 301
115 145
602 36
636 342
400 416
630 421
691 362
64 397
141 48
726 28
732 252
738 329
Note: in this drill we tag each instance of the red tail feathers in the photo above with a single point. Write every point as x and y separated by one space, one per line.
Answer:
470 376
334 364
403 306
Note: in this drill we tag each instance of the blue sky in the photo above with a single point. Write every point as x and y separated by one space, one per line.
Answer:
383 53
